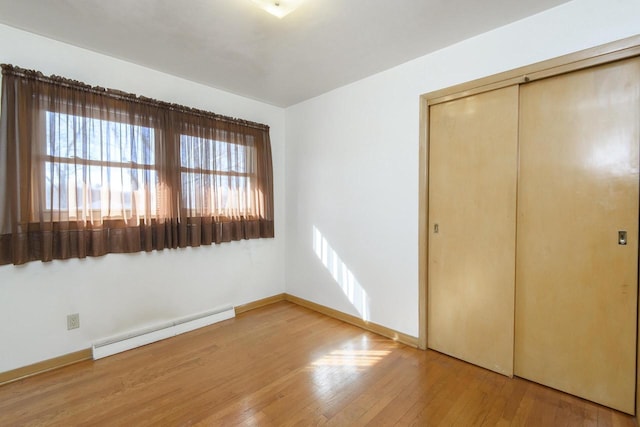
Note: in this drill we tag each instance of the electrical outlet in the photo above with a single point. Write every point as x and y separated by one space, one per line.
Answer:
73 321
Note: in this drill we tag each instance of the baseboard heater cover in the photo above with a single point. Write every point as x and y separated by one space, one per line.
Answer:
118 344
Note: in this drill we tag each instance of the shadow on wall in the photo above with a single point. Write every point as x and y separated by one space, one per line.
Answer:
341 274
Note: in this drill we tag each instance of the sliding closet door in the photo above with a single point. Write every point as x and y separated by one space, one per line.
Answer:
576 291
472 210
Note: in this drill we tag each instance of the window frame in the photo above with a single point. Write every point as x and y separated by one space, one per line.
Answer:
251 175
94 215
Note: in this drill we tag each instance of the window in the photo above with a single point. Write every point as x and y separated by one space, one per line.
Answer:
98 169
87 171
216 176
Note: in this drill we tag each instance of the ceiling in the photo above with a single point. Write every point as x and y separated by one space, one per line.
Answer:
235 46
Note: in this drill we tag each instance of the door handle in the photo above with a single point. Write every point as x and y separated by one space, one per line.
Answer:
622 237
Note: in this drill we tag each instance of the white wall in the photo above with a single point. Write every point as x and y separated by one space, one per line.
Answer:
352 160
118 293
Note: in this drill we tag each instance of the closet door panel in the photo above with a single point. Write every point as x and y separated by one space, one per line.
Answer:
576 286
472 211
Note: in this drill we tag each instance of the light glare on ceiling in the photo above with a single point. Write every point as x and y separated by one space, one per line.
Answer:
279 8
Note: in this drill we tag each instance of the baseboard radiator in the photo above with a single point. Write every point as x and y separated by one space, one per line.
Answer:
118 344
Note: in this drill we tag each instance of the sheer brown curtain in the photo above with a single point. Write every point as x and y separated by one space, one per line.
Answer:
86 171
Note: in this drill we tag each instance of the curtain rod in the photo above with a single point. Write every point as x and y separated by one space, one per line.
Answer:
8 69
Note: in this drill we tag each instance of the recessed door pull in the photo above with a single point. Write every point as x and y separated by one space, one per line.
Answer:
622 237
436 228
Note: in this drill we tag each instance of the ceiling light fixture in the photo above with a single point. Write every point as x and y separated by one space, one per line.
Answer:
279 8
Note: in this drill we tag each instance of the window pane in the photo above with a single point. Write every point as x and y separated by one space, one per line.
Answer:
110 190
212 155
87 173
59 178
70 136
216 194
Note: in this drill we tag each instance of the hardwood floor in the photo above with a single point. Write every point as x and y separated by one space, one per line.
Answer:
286 365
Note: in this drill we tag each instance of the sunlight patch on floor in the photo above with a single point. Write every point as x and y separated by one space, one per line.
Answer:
360 358
341 366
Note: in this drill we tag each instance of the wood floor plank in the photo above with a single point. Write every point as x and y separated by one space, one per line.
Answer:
283 365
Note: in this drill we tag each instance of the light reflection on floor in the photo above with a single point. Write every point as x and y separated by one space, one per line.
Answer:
337 368
359 358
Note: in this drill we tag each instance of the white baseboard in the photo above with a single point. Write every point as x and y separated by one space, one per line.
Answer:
118 344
